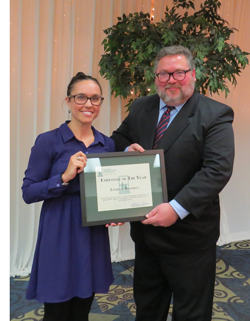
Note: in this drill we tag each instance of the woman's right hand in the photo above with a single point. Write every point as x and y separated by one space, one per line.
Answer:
76 165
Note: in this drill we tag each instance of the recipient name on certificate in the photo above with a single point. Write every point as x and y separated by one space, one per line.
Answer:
123 186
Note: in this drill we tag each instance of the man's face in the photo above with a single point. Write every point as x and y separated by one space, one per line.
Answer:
175 92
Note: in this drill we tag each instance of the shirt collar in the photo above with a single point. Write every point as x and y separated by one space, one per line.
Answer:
162 105
67 134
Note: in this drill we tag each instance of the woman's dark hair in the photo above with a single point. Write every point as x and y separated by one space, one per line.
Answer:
79 77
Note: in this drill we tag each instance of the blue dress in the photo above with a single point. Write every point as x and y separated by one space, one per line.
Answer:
70 260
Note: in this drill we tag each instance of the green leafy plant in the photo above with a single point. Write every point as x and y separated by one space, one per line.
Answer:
132 44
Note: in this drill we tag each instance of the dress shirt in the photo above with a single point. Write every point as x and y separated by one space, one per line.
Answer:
173 112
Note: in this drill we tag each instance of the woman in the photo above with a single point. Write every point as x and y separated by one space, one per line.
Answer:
71 262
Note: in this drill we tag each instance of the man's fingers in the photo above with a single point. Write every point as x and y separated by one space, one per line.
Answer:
136 147
150 217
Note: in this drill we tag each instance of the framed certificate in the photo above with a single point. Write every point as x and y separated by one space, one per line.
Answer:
122 186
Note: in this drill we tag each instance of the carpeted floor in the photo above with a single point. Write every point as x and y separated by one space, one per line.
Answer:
231 299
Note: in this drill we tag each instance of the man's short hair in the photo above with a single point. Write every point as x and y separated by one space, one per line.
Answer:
175 50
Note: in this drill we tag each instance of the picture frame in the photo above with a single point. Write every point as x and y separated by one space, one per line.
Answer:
122 186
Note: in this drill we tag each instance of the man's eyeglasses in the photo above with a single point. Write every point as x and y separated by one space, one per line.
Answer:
81 99
164 76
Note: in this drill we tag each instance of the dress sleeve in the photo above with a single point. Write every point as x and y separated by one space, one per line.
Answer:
38 185
111 145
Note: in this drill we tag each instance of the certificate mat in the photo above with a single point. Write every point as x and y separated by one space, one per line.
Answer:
122 186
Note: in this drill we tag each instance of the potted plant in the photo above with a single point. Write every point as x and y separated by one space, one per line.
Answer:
132 44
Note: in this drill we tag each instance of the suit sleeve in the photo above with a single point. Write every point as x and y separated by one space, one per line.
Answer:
217 164
121 136
129 131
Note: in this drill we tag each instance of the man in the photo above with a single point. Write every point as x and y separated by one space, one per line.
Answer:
176 245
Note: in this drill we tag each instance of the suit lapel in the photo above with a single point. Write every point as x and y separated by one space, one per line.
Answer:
149 122
180 123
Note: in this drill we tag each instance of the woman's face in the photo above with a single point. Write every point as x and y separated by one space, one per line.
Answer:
84 112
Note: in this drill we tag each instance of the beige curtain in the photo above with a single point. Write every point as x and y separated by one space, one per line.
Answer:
50 41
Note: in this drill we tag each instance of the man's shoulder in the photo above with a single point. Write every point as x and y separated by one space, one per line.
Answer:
210 101
209 104
150 98
146 101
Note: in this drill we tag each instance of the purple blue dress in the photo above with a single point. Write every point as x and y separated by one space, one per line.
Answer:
70 260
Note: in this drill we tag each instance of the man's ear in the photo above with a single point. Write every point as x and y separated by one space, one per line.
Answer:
193 74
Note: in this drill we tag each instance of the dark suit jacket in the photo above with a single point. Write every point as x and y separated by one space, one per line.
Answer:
199 153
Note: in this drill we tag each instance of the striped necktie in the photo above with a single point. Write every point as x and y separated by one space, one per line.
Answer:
162 126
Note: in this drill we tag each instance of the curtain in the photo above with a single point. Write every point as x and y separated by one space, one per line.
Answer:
52 40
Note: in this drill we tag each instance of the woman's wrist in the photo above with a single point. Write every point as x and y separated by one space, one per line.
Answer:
62 180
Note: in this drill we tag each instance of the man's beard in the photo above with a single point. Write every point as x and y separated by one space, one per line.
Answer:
184 95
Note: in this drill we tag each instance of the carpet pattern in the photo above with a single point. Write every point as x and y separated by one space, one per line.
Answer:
231 297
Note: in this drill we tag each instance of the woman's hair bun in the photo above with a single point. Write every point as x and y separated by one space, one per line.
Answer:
80 74
78 77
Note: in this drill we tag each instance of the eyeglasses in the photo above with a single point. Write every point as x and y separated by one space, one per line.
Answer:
81 99
164 76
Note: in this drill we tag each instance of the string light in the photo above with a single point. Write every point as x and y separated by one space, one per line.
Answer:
152 14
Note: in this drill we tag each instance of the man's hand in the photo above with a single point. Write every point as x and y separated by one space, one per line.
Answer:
162 215
135 148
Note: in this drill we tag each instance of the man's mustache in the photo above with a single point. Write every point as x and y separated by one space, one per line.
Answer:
169 86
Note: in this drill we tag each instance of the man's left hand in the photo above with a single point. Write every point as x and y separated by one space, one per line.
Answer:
162 215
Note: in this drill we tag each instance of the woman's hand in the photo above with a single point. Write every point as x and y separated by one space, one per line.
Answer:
76 165
115 224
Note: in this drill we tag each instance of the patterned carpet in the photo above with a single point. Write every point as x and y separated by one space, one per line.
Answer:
231 299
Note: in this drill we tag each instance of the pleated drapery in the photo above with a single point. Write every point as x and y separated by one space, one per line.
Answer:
52 40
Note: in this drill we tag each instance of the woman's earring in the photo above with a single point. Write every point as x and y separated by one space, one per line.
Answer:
69 114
